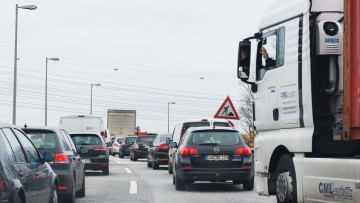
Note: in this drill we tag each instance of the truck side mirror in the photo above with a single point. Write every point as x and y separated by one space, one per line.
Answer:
243 66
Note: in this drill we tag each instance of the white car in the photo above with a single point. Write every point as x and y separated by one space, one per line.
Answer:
114 149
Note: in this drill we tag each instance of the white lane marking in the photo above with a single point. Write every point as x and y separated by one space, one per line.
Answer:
117 162
127 170
133 187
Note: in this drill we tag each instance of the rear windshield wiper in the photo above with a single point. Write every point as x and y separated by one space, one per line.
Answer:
208 144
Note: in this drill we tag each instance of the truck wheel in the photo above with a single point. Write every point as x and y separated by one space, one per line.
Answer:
286 180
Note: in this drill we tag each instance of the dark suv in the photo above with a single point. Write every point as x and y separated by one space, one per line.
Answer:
140 147
158 152
24 175
125 146
97 157
208 154
67 161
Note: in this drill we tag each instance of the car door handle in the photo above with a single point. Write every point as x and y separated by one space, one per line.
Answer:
276 114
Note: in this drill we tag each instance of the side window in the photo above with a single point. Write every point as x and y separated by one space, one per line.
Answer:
69 140
177 132
29 148
15 145
65 141
8 149
271 52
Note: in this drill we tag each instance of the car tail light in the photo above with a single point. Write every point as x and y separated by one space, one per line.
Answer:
123 145
136 146
163 146
116 145
204 120
245 151
246 167
2 184
61 159
187 167
187 151
102 149
102 134
62 188
103 165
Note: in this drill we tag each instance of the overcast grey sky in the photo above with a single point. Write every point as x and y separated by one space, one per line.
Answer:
161 48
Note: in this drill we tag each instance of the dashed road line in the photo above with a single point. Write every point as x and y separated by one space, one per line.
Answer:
133 187
117 162
127 170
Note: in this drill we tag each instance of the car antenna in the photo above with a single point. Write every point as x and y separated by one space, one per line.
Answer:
25 126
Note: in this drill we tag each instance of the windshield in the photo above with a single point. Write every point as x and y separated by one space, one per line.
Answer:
222 124
43 139
145 139
130 140
86 139
215 137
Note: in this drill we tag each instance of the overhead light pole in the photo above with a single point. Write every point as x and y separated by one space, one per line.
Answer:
169 115
29 7
46 79
92 84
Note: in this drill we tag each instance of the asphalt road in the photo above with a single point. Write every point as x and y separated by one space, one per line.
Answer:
135 182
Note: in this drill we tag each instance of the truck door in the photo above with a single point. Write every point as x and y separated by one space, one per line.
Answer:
266 100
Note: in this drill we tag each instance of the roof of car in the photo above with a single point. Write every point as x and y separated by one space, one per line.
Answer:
192 129
2 125
205 119
41 128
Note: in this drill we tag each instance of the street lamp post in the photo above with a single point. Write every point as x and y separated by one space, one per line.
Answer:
169 114
96 84
30 7
52 59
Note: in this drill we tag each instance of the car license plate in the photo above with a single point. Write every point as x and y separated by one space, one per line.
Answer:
86 161
216 157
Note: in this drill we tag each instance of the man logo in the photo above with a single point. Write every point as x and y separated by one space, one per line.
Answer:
216 149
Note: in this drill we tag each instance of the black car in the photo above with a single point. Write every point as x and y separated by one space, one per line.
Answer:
24 175
125 146
140 147
217 155
158 152
67 164
97 157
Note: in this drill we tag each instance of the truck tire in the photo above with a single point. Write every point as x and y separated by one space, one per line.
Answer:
286 180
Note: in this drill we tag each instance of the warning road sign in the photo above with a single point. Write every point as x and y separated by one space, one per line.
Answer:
227 110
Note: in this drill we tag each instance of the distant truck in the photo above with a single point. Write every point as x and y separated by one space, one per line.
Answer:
121 122
83 123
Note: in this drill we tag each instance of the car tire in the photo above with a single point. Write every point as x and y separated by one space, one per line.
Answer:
18 199
112 153
236 182
134 157
170 169
131 157
174 179
106 170
121 155
286 180
81 192
54 195
155 166
249 184
179 185
70 198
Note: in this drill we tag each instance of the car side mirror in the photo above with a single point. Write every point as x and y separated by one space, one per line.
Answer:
173 145
48 157
168 140
84 150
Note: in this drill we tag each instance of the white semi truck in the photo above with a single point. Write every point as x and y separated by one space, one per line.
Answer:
121 122
303 66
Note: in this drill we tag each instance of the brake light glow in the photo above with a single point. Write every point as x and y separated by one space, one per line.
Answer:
62 188
136 146
2 185
163 146
204 119
246 167
102 133
102 164
185 151
61 159
244 151
164 160
187 167
102 149
116 145
123 144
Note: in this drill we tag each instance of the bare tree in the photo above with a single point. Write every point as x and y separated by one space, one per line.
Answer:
246 107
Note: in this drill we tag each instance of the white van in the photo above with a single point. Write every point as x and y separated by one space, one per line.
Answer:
180 129
83 123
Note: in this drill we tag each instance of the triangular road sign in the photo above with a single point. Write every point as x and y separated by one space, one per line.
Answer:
227 110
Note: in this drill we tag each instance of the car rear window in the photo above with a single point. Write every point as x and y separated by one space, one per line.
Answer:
163 137
194 124
130 140
82 139
215 137
222 124
145 139
43 139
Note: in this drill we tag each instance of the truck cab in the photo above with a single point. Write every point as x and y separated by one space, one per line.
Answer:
294 65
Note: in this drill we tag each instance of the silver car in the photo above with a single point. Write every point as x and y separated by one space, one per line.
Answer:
114 149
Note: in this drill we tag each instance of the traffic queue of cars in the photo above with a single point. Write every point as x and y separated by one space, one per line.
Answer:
45 164
198 150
